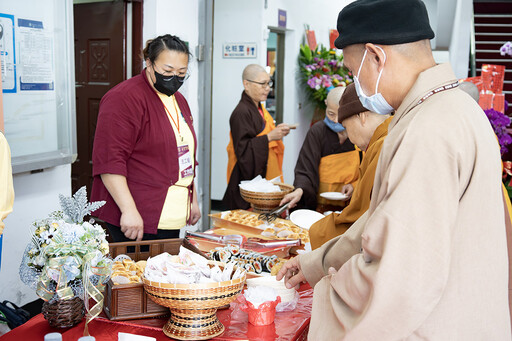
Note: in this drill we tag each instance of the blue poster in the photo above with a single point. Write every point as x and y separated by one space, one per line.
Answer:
7 53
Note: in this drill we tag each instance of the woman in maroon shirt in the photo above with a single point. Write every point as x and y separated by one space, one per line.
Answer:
135 154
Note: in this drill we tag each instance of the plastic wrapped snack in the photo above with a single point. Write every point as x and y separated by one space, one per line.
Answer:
260 185
260 304
186 268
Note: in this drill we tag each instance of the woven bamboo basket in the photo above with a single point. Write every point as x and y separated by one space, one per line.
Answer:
265 202
64 313
194 306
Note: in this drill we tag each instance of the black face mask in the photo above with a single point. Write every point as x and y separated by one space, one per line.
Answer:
167 84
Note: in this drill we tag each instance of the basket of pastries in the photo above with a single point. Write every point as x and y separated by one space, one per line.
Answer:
193 288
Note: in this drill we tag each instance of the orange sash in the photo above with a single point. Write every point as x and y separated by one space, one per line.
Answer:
336 170
275 151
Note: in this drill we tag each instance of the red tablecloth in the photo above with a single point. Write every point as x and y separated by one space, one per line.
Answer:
293 325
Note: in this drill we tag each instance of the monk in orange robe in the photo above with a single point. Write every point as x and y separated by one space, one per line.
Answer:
255 143
367 130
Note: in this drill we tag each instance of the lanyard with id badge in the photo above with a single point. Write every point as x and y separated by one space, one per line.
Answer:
184 155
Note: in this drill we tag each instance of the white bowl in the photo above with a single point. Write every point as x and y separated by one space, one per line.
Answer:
333 195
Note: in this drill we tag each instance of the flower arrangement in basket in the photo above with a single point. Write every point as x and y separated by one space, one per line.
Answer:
66 262
321 70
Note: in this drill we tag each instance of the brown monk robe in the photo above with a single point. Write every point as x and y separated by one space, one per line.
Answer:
249 151
327 161
337 223
255 143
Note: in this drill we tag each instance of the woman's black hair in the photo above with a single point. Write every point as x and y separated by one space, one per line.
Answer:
161 43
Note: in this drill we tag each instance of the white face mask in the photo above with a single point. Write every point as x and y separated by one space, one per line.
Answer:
375 102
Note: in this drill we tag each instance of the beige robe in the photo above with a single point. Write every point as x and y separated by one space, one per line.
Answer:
428 260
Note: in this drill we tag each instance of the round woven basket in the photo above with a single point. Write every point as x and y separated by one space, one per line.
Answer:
194 306
265 202
64 313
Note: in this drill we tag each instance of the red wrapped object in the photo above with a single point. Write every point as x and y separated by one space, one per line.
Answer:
261 316
492 78
492 101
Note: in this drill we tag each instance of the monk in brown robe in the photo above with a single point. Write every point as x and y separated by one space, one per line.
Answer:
367 130
255 143
328 162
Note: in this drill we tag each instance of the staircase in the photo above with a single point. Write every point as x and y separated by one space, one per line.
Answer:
493 28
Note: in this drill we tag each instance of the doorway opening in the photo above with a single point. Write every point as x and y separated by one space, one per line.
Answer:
108 41
275 68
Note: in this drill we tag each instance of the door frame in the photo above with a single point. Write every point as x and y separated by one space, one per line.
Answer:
204 54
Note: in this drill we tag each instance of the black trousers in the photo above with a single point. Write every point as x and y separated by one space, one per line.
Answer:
118 236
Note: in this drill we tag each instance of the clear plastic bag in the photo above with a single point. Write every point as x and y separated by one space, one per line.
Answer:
288 306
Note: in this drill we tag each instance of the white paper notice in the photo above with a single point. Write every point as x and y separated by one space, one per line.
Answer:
36 56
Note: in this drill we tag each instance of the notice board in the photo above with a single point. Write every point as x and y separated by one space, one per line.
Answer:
37 69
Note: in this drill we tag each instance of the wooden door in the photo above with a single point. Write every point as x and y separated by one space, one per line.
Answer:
99 66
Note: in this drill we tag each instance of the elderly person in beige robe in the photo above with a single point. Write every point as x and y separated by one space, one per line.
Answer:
428 260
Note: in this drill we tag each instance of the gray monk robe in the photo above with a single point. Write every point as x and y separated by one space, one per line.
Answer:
428 260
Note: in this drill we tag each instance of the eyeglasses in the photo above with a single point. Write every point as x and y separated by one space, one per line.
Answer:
182 76
263 84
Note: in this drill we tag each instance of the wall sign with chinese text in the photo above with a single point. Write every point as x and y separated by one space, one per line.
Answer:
281 18
239 50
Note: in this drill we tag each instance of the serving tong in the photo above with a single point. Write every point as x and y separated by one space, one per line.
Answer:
243 242
274 214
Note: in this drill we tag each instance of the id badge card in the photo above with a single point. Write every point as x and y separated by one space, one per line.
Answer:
185 161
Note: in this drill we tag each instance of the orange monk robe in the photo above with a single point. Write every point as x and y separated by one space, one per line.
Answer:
337 223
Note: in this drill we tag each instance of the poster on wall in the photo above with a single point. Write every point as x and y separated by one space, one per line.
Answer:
8 67
239 50
36 56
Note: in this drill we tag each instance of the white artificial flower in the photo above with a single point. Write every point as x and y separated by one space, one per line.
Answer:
72 232
71 268
47 236
39 260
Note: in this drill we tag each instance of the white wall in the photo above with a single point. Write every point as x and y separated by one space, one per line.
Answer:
246 21
451 22
234 21
460 38
36 195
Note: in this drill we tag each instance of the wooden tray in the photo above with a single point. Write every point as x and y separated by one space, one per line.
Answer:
250 231
130 301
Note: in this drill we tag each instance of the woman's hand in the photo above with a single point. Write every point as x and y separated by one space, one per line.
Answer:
293 198
195 213
132 224
347 190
